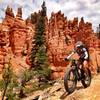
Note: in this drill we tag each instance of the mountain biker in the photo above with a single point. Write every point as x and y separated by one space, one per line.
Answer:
83 54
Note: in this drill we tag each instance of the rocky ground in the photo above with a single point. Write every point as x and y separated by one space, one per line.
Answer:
57 92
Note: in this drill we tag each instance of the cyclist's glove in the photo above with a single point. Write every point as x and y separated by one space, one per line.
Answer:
66 59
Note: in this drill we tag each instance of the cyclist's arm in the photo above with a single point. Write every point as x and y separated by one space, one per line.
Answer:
72 53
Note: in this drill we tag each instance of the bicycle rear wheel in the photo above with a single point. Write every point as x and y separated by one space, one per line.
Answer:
86 78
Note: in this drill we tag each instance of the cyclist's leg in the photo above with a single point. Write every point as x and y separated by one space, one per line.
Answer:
85 65
80 63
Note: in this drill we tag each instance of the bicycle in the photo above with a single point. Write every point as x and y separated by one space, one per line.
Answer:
74 74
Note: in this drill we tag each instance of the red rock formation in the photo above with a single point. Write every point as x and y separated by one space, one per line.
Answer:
2 58
9 17
58 37
61 36
19 13
16 37
29 38
4 43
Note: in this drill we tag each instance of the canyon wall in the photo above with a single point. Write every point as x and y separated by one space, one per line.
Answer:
62 34
15 40
16 37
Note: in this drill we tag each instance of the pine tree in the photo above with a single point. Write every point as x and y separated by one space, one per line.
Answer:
39 59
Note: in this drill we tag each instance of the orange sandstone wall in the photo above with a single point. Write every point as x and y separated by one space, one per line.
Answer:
15 39
61 34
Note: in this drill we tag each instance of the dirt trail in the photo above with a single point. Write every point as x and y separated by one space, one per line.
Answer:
57 92
90 93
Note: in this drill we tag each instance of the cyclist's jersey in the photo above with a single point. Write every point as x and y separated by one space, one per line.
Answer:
83 53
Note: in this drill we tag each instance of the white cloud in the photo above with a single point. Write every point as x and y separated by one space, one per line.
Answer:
89 9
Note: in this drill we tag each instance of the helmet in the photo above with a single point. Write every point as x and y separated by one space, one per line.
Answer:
79 44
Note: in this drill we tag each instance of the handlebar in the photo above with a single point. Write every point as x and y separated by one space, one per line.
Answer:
70 59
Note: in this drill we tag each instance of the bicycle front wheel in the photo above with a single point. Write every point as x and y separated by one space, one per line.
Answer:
70 80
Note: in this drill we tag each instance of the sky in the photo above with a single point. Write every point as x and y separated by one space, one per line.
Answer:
89 9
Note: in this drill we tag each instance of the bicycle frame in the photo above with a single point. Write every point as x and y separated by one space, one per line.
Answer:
75 67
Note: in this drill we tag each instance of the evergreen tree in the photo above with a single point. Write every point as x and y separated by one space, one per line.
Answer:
39 58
